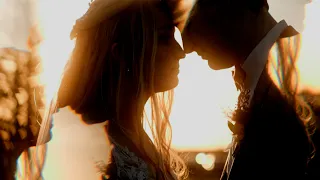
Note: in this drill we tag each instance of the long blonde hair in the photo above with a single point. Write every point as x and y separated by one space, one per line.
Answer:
96 79
286 55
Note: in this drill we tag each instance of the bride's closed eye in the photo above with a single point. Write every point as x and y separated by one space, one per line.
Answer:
166 34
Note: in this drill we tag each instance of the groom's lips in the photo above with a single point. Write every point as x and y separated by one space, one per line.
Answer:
203 57
201 54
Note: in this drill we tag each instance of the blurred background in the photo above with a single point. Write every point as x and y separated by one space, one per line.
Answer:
202 98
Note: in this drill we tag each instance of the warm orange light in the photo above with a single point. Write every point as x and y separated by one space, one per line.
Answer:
207 161
309 61
210 162
200 158
201 103
56 19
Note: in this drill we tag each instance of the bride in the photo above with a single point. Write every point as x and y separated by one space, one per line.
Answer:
125 53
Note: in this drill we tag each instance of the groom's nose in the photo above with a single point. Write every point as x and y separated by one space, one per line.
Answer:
188 45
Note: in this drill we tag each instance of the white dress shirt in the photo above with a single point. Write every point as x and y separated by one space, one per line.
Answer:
257 60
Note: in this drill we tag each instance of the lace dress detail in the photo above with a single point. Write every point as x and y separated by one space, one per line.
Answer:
125 165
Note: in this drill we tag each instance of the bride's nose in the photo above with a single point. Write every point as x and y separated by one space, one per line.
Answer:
187 43
179 52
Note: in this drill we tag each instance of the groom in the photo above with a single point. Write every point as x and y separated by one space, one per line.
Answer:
270 141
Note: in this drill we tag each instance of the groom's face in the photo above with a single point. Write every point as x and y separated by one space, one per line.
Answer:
214 32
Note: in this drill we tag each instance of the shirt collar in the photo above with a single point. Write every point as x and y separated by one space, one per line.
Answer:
256 61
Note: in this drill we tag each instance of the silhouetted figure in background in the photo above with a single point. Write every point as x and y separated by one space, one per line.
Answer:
270 139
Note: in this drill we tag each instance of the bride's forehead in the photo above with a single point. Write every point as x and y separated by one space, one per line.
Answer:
154 10
162 13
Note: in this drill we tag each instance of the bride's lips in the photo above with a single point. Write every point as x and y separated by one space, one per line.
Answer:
176 69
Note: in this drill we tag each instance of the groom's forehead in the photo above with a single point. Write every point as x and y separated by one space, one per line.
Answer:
180 10
206 7
184 9
209 4
203 8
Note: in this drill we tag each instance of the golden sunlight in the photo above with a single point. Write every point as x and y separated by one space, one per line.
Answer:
309 60
202 101
57 46
56 19
206 160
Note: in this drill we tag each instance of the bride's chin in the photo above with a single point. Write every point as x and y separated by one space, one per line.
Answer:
167 84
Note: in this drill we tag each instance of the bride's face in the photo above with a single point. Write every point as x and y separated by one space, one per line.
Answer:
168 51
147 43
